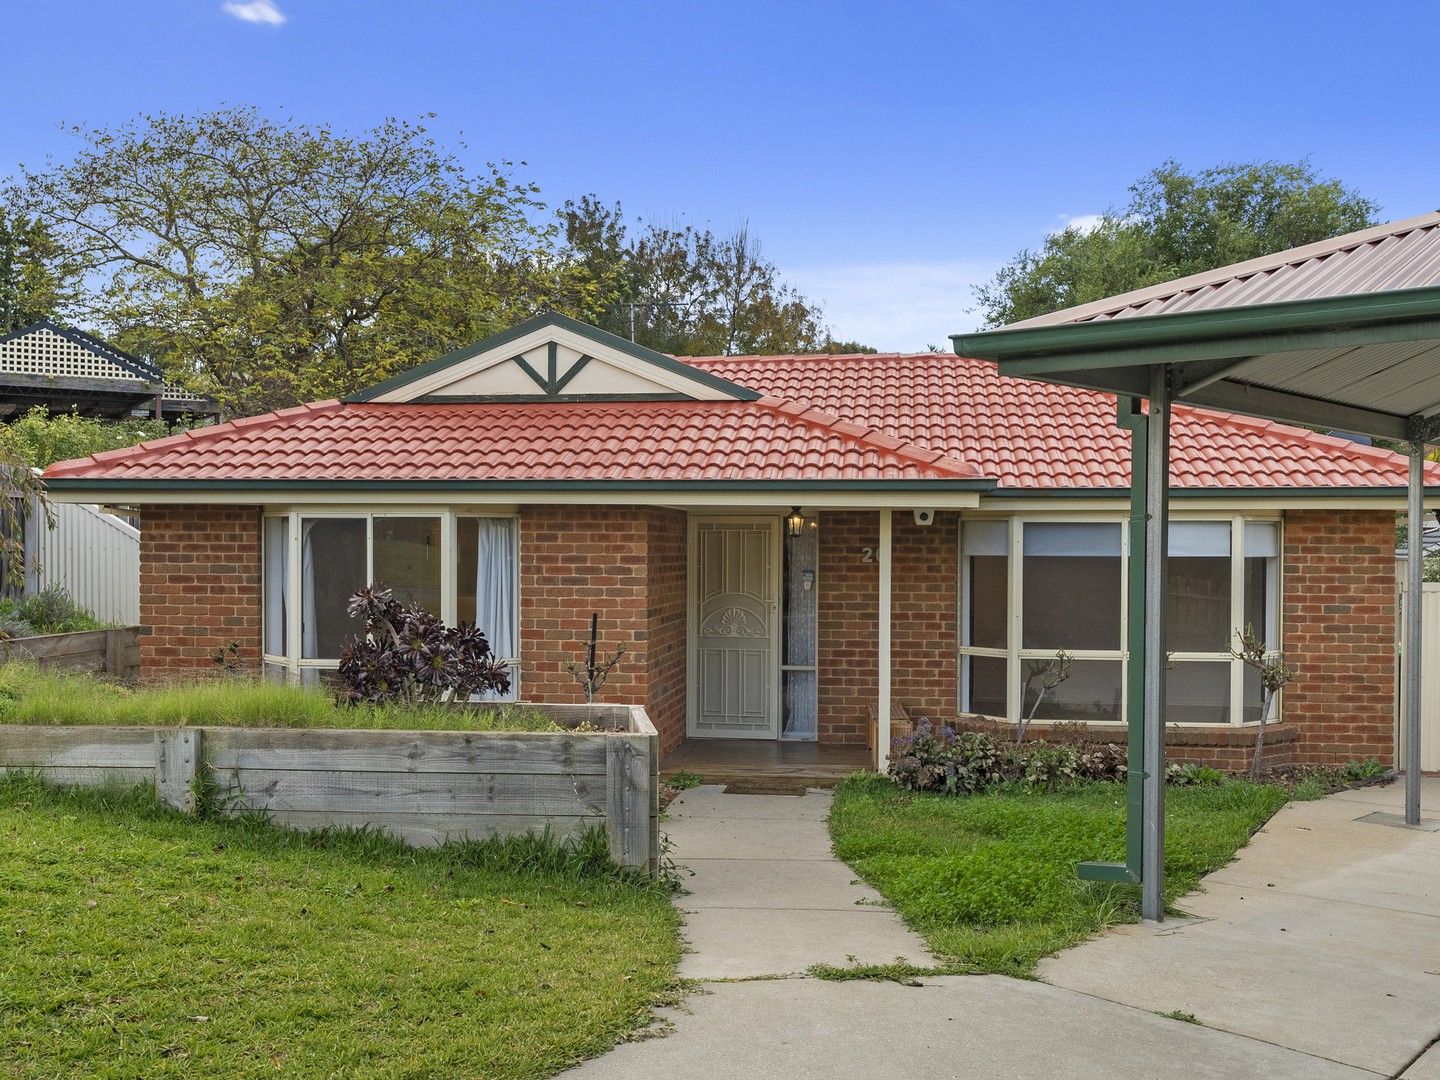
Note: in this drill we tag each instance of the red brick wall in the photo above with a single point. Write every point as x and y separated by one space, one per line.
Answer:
848 610
924 629
1339 629
199 587
667 611
574 561
626 564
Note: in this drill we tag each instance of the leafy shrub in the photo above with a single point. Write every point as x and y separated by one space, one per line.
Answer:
408 655
1048 767
1101 761
1191 775
13 626
940 759
50 611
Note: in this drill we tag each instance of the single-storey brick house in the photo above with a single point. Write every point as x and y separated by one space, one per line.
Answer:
792 547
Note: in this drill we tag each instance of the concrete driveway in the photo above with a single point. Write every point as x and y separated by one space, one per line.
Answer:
1323 936
1315 955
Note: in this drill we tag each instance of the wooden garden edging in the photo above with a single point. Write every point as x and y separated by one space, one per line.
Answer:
114 652
424 787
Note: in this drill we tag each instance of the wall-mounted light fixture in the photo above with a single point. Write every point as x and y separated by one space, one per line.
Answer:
795 523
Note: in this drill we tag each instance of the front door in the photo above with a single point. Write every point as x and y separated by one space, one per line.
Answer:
733 629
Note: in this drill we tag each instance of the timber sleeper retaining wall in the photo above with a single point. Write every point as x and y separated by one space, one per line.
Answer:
423 787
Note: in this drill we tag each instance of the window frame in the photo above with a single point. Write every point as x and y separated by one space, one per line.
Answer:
292 664
1015 655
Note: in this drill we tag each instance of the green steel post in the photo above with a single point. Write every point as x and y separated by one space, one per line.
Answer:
1131 415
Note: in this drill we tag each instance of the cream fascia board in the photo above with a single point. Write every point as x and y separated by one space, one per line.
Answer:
538 338
785 498
1201 506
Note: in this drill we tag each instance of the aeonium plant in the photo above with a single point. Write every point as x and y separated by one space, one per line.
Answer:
407 655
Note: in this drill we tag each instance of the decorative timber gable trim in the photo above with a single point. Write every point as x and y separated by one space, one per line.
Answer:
554 358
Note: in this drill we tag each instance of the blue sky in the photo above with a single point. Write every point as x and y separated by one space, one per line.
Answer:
889 156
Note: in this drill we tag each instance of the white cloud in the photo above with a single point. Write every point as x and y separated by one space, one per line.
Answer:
1084 222
895 307
254 11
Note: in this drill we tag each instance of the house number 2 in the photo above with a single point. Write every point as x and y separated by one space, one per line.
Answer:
868 555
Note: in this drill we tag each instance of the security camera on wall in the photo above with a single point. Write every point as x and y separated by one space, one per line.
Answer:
924 517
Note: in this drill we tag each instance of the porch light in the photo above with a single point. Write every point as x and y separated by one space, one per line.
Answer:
795 523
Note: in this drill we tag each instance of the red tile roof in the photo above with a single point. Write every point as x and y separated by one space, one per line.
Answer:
882 418
1035 435
769 439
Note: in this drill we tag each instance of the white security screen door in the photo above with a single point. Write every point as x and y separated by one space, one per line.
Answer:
734 634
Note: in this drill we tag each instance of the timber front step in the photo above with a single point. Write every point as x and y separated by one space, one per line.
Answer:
748 763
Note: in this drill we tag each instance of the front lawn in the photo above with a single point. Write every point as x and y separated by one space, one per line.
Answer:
137 942
989 879
29 695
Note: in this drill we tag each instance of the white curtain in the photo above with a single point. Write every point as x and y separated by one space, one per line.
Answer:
277 577
495 584
309 639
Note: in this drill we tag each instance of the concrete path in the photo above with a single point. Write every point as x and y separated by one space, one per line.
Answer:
1324 936
1329 968
768 896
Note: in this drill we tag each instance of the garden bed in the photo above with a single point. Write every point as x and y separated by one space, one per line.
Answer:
425 776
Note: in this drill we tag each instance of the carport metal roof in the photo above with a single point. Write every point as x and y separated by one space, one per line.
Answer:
1343 334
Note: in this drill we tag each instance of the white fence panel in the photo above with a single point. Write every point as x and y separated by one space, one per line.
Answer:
1429 679
94 555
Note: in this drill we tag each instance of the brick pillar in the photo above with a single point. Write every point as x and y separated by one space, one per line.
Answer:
1339 629
627 564
199 587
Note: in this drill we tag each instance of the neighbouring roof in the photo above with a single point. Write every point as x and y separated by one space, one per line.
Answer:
49 364
1398 255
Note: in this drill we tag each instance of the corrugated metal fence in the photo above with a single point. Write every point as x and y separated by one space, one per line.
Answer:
1429 681
94 555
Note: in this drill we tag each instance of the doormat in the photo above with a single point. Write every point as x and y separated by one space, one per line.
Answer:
778 785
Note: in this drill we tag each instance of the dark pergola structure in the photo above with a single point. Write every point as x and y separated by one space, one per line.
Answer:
68 370
1342 335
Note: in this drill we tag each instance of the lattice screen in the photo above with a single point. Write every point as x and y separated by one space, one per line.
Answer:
44 352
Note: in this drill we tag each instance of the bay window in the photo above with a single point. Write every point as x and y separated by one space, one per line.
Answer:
1030 588
462 567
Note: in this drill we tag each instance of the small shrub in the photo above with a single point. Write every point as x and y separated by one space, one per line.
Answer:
1101 761
1189 774
13 626
1047 767
50 611
408 655
940 759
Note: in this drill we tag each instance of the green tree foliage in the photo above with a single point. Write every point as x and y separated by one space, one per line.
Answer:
681 289
37 277
1176 223
266 263
40 438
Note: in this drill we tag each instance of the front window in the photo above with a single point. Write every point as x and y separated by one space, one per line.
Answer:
463 568
1030 589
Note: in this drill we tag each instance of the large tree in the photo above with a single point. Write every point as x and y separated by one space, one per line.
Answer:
37 276
1176 223
682 289
268 262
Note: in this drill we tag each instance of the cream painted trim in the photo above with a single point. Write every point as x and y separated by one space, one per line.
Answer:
544 335
779 498
1205 507
692 605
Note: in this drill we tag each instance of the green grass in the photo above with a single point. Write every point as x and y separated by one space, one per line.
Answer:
137 942
29 695
989 879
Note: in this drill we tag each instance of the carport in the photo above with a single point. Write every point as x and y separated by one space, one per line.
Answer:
1342 335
